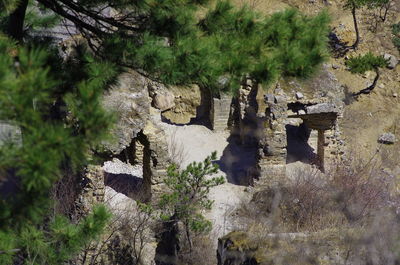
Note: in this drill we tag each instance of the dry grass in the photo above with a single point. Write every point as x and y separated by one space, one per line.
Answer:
349 195
176 150
351 211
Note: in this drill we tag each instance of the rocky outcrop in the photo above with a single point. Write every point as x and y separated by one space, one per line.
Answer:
162 98
129 100
189 104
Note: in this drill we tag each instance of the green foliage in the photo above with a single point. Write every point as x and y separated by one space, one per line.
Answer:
367 62
396 33
185 42
8 5
39 18
230 43
188 193
27 93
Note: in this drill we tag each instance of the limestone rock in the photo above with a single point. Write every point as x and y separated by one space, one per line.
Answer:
116 166
321 108
299 95
387 138
392 60
129 100
188 104
269 98
164 100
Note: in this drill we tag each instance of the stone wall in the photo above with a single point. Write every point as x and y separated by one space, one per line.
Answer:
93 189
155 158
272 146
93 192
248 124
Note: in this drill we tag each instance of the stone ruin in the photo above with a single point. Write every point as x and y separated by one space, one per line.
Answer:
274 123
139 140
266 121
317 125
286 125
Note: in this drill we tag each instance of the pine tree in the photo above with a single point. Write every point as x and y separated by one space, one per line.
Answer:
28 92
187 195
363 63
184 42
353 5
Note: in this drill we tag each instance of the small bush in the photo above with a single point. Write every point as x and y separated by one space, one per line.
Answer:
367 62
396 33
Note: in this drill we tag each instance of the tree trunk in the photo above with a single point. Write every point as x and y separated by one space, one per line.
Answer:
15 27
188 237
371 87
385 7
168 247
353 12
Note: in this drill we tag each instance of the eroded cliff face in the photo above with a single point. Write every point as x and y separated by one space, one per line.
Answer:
129 100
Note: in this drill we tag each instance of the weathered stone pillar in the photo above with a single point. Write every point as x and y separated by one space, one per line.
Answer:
93 189
247 108
321 149
272 147
155 159
92 193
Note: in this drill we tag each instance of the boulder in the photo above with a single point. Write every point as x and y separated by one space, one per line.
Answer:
299 95
387 138
392 60
164 100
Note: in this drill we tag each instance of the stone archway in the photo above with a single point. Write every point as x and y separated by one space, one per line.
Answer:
273 145
320 117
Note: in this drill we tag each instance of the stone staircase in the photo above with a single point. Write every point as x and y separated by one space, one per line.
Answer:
221 112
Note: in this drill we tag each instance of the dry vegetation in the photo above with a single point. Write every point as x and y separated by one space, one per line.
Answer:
353 208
